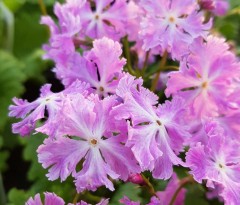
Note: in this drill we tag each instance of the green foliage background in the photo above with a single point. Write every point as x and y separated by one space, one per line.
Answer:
21 38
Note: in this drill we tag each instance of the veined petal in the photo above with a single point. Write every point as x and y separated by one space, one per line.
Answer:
119 158
62 156
95 173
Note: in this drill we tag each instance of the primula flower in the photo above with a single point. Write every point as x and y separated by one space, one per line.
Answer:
135 13
50 199
136 179
53 199
171 25
170 190
93 142
31 112
154 201
101 67
68 28
218 7
34 111
163 197
218 163
214 192
205 78
155 135
102 202
125 200
104 18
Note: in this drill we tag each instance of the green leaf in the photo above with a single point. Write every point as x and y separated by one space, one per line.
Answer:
10 140
130 190
3 158
30 154
14 5
29 34
1 141
234 3
46 2
34 65
17 197
228 27
11 79
195 195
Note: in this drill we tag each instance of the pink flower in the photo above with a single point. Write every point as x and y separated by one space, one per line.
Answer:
154 201
93 142
101 67
135 13
125 200
218 7
34 111
170 190
50 199
136 179
171 25
218 163
108 19
102 202
53 199
155 135
68 28
205 78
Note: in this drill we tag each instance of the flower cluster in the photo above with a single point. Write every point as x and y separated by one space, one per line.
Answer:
106 125
53 199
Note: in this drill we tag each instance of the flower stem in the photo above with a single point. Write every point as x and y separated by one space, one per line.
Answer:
91 197
2 192
170 68
42 7
183 182
127 55
145 62
9 19
161 66
76 198
149 186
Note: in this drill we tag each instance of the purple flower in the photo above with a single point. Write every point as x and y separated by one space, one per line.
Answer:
218 163
135 13
218 7
34 111
215 192
170 190
101 67
136 179
102 202
108 18
125 200
155 135
96 141
53 199
68 28
171 25
154 201
50 199
205 78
